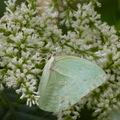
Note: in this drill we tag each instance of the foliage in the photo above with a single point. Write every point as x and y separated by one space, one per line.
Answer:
13 108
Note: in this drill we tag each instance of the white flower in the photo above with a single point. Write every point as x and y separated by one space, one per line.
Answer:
1 87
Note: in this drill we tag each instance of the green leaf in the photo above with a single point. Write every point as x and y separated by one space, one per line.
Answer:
11 108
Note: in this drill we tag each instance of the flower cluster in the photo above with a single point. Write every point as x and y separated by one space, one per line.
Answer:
91 39
27 40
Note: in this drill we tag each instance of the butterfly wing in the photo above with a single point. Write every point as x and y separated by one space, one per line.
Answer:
68 80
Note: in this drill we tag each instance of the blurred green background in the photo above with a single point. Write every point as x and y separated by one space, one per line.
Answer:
110 11
2 7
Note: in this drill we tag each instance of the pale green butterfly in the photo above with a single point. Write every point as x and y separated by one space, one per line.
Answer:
114 116
65 80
